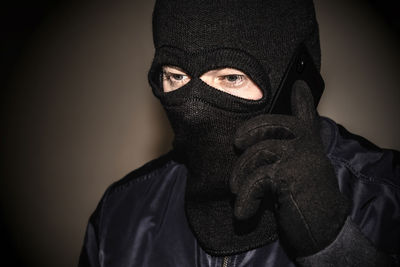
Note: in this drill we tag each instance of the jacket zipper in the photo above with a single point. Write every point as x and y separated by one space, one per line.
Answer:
225 262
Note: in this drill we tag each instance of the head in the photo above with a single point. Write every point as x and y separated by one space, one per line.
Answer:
217 64
266 31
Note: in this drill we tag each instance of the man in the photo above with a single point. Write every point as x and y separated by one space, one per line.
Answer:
244 186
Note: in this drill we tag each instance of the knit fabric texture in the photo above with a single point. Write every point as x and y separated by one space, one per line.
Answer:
283 159
254 36
351 249
268 30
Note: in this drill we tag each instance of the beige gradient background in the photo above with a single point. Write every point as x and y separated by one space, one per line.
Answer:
80 114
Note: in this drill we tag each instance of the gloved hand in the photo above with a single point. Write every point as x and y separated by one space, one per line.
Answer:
283 161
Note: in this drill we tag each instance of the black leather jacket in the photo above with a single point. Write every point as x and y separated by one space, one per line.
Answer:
140 220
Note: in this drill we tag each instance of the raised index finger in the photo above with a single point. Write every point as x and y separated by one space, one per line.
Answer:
303 102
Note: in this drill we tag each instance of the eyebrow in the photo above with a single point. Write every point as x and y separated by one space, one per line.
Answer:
174 68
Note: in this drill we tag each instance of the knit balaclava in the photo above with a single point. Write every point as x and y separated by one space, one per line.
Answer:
257 37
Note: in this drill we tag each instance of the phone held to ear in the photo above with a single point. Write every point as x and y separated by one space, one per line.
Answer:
301 67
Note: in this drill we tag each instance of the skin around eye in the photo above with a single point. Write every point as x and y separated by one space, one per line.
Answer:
234 82
173 78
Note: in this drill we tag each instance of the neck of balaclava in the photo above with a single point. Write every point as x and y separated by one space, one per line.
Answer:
204 143
206 148
209 160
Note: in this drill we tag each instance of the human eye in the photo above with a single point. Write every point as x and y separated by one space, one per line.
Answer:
173 78
233 80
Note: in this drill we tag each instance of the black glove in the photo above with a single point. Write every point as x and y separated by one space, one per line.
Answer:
283 161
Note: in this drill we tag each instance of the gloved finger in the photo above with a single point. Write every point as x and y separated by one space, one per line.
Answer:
258 186
303 102
263 127
261 154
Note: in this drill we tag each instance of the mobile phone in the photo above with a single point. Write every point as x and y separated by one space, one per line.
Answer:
301 67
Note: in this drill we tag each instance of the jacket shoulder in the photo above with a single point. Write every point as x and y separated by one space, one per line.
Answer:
370 178
126 206
360 156
148 170
152 169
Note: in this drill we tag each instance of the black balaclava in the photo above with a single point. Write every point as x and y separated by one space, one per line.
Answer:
257 37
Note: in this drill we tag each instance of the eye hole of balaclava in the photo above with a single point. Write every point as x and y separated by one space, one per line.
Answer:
228 80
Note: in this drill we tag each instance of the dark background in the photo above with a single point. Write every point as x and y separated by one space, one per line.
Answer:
77 113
